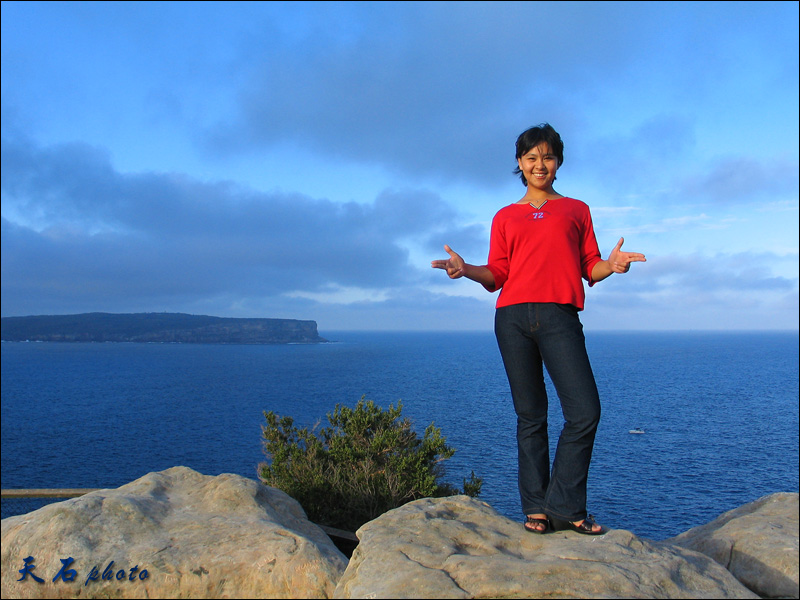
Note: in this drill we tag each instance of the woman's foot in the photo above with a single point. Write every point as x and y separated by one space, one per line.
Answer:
537 523
586 527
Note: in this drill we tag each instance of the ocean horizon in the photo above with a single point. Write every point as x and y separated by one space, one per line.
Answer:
719 412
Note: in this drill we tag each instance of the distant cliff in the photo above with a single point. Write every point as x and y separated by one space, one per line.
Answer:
158 327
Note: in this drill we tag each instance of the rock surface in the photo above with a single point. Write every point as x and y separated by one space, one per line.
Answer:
459 547
197 537
232 537
757 542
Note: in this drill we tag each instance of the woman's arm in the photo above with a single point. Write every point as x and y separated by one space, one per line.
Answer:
617 262
456 267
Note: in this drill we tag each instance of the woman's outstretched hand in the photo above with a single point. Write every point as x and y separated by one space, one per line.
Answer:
456 267
453 265
617 262
620 262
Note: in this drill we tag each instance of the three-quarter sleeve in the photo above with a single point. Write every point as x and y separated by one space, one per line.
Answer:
590 252
498 262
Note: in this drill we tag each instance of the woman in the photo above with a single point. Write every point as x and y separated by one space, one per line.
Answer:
540 248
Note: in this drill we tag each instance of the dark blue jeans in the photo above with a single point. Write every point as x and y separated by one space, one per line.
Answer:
530 337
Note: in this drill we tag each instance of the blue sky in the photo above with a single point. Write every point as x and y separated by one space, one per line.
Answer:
309 160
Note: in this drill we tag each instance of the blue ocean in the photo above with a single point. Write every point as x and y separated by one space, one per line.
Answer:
719 413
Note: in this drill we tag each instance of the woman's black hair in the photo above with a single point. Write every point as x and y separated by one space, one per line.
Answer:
530 138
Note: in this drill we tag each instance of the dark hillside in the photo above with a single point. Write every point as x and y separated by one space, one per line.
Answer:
158 327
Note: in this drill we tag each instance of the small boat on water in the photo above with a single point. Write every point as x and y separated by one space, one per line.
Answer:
637 430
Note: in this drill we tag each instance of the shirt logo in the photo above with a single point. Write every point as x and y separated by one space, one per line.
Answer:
538 213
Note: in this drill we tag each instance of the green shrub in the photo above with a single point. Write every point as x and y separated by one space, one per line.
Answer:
365 463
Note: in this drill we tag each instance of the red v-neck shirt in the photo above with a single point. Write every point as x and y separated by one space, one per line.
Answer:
541 254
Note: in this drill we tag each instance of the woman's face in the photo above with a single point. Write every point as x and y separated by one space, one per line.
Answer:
539 165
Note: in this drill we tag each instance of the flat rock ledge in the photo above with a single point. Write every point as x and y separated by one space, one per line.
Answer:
459 547
231 537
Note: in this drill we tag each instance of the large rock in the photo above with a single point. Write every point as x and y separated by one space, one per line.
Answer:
459 547
227 536
196 536
757 542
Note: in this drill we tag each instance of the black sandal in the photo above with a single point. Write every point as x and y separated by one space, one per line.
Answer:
537 522
585 528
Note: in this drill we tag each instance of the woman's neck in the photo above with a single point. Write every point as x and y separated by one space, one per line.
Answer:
537 197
